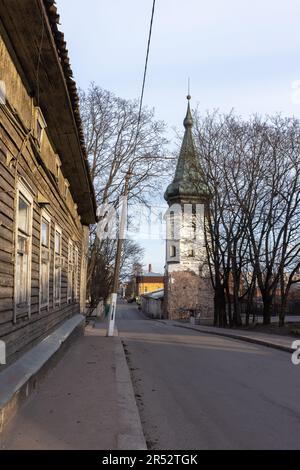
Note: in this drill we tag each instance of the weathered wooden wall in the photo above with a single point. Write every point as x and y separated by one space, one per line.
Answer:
37 168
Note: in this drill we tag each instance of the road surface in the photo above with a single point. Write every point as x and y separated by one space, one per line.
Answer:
200 391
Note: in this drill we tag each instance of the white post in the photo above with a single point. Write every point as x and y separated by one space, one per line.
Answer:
2 353
112 315
120 243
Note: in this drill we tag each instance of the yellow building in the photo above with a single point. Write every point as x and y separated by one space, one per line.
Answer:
149 282
143 283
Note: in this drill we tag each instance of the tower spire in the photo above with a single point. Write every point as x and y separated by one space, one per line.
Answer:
188 121
188 180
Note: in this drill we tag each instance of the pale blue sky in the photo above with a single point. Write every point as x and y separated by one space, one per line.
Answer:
238 54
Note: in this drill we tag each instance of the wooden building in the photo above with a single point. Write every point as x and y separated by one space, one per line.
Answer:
46 195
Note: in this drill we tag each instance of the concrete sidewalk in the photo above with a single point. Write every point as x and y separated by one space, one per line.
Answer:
85 402
283 343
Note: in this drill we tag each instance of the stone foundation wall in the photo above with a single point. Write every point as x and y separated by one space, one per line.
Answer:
186 290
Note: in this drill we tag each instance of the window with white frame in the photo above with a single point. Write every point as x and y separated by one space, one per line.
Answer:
45 260
76 273
57 265
23 248
70 270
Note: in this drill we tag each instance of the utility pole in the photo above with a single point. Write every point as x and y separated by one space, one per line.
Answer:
120 244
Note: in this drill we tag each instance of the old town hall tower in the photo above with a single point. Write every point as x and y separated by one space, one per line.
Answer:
187 279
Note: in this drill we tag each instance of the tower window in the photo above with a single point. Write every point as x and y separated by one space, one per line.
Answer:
191 253
172 225
172 251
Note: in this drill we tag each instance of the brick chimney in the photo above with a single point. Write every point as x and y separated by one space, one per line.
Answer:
150 268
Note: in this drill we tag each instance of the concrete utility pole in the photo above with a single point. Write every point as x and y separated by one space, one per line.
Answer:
120 244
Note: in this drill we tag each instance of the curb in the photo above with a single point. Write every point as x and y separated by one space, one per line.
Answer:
241 338
130 436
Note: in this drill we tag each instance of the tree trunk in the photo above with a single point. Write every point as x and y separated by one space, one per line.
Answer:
236 309
250 306
283 305
220 307
228 305
267 310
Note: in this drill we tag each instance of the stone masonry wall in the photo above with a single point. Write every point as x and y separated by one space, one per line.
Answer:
187 290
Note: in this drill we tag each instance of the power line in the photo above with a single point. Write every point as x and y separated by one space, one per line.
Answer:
120 243
146 68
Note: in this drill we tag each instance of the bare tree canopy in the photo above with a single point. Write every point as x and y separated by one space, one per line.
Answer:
120 141
253 170
104 269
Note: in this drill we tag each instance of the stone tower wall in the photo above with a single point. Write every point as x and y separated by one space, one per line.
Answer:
186 290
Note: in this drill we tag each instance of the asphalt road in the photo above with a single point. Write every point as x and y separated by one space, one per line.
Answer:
200 391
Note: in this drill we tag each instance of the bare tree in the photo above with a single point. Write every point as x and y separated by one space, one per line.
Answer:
101 282
120 141
253 170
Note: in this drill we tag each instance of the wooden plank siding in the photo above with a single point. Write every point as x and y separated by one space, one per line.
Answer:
36 167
